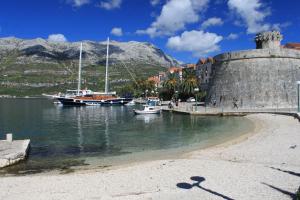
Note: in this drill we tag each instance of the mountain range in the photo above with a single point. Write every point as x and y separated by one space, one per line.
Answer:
29 67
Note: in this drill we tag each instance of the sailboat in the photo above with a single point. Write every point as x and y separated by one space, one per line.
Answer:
94 98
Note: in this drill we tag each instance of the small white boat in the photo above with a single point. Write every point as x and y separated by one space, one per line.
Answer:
148 110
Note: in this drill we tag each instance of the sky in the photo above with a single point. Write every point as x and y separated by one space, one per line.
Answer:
185 29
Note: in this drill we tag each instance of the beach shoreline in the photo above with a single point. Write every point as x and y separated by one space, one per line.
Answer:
179 153
262 164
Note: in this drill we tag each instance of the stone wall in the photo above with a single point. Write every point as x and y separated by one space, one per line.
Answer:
261 78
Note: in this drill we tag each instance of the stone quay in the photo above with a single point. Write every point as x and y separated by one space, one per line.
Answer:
13 151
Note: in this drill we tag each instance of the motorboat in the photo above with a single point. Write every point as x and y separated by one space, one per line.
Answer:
148 110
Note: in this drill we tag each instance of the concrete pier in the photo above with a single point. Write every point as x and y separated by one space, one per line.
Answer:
12 151
190 109
241 112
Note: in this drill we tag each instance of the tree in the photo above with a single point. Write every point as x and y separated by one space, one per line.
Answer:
200 95
143 85
171 83
189 82
127 91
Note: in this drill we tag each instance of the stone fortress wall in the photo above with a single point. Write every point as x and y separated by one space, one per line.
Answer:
261 78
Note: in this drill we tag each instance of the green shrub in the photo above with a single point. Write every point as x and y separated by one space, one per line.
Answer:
298 194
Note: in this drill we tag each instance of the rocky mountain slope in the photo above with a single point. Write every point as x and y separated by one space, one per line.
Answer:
38 65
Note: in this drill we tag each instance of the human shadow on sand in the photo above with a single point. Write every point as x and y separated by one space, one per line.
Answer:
286 171
199 180
291 195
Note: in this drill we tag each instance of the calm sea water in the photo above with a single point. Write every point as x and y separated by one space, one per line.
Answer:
66 137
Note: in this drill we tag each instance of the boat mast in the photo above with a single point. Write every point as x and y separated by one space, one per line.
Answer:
79 70
106 69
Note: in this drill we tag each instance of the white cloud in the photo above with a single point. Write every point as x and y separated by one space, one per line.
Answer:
57 38
200 43
214 21
78 3
232 36
252 13
110 4
117 31
154 2
174 16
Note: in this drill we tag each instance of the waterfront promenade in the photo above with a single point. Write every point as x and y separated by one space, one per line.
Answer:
191 109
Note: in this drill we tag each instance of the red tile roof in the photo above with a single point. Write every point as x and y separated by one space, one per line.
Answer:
175 69
292 46
202 61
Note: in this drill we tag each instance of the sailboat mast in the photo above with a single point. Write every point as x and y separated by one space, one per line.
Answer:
79 70
106 69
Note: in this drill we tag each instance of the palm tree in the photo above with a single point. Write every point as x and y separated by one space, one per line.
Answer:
189 82
188 85
171 83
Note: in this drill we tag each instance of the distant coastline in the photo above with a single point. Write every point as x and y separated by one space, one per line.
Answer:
20 97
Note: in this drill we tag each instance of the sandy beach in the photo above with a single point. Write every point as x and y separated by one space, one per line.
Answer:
264 164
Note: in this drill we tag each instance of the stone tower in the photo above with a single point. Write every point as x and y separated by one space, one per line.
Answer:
268 40
258 78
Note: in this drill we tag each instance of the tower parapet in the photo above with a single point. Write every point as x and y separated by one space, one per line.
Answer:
268 40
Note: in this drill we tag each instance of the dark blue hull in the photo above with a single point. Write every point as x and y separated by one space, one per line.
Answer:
70 102
78 102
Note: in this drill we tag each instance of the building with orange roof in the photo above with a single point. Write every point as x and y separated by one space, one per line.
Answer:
201 61
176 70
162 77
155 79
295 46
158 79
193 66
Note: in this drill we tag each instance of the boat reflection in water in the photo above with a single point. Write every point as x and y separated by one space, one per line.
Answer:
148 118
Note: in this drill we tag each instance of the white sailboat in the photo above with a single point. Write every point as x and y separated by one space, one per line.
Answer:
94 98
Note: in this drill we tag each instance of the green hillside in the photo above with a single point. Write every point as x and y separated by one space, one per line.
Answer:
35 79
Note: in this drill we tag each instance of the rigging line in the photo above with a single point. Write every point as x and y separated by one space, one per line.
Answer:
131 74
127 68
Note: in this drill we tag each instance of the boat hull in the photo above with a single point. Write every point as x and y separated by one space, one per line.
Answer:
108 102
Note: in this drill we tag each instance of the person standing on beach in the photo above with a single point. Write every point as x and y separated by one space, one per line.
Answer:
235 105
214 103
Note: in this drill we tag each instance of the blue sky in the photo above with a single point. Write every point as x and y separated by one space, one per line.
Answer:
184 29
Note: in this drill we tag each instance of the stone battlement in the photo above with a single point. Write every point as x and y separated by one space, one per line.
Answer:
268 40
258 53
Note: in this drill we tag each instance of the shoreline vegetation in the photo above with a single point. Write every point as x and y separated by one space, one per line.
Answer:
262 164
